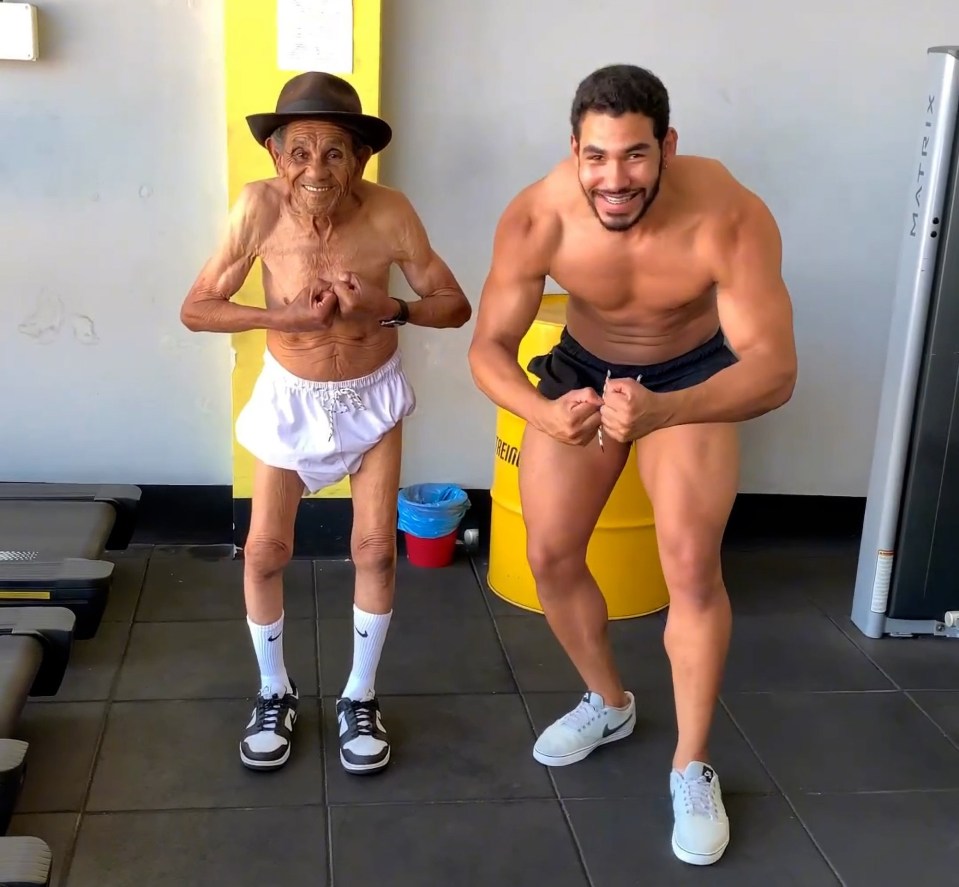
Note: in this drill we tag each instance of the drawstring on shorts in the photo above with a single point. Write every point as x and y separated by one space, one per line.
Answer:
340 400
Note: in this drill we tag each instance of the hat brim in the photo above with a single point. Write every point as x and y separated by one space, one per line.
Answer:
372 130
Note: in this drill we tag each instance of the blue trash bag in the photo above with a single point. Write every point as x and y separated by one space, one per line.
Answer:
429 511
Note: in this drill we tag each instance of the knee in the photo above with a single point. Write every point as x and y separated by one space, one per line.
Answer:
554 566
692 570
265 556
374 553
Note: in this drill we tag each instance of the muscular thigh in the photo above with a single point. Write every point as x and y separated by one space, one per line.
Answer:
563 489
691 474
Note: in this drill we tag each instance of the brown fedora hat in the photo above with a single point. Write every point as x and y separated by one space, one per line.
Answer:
319 96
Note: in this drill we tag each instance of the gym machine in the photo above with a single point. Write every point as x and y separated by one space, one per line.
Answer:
906 577
53 587
24 862
35 646
52 539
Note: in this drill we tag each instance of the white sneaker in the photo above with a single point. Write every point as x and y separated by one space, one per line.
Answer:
701 827
268 736
591 724
364 746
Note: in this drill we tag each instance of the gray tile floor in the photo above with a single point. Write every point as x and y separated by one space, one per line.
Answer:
839 755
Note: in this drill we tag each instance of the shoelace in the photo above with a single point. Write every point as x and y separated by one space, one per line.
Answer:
359 718
698 798
268 712
581 716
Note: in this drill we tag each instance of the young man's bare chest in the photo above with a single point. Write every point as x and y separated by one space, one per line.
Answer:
619 272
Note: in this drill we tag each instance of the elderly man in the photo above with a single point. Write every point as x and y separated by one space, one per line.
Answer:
332 395
678 327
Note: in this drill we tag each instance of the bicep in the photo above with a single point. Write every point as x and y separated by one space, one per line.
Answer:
755 309
224 272
424 270
427 274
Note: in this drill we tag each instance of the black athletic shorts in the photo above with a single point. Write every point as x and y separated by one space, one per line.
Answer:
569 366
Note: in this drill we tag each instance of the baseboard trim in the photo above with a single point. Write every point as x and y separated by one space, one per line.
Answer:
323 526
209 515
759 517
184 514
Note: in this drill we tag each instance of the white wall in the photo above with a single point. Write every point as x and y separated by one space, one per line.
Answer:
112 191
112 187
814 105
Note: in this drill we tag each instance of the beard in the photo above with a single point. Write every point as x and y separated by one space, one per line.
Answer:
624 223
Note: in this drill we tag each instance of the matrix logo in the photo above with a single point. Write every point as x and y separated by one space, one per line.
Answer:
930 113
507 452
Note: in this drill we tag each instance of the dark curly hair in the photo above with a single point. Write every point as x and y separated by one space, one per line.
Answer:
622 89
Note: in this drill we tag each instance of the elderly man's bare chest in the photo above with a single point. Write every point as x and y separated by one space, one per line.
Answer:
303 256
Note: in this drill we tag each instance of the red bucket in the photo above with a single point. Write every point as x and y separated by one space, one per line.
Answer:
431 552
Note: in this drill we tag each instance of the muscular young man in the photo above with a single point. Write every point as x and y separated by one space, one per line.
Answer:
673 271
332 395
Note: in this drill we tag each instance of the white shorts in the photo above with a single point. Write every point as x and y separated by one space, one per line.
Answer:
322 430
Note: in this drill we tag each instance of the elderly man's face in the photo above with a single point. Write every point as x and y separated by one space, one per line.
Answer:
320 164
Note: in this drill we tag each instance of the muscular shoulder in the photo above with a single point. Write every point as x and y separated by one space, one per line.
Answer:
531 224
735 220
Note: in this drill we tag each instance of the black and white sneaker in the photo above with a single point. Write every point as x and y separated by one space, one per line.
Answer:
364 747
269 734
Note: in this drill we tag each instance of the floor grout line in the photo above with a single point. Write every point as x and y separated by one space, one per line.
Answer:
316 805
781 790
798 691
470 802
952 741
98 747
321 713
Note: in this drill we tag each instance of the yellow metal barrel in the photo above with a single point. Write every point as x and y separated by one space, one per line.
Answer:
622 553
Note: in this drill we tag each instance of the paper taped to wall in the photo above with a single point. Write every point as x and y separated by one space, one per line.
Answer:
315 35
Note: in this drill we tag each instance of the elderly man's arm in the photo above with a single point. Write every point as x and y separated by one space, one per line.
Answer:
442 302
208 306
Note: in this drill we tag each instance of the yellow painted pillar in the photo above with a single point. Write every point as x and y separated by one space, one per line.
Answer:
253 82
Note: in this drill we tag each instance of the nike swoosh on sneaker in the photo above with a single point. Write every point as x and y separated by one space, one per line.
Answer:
616 729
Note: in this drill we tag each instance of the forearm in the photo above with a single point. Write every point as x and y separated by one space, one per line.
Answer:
743 391
498 375
217 315
441 310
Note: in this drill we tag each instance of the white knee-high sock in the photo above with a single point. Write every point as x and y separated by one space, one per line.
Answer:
369 633
268 644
